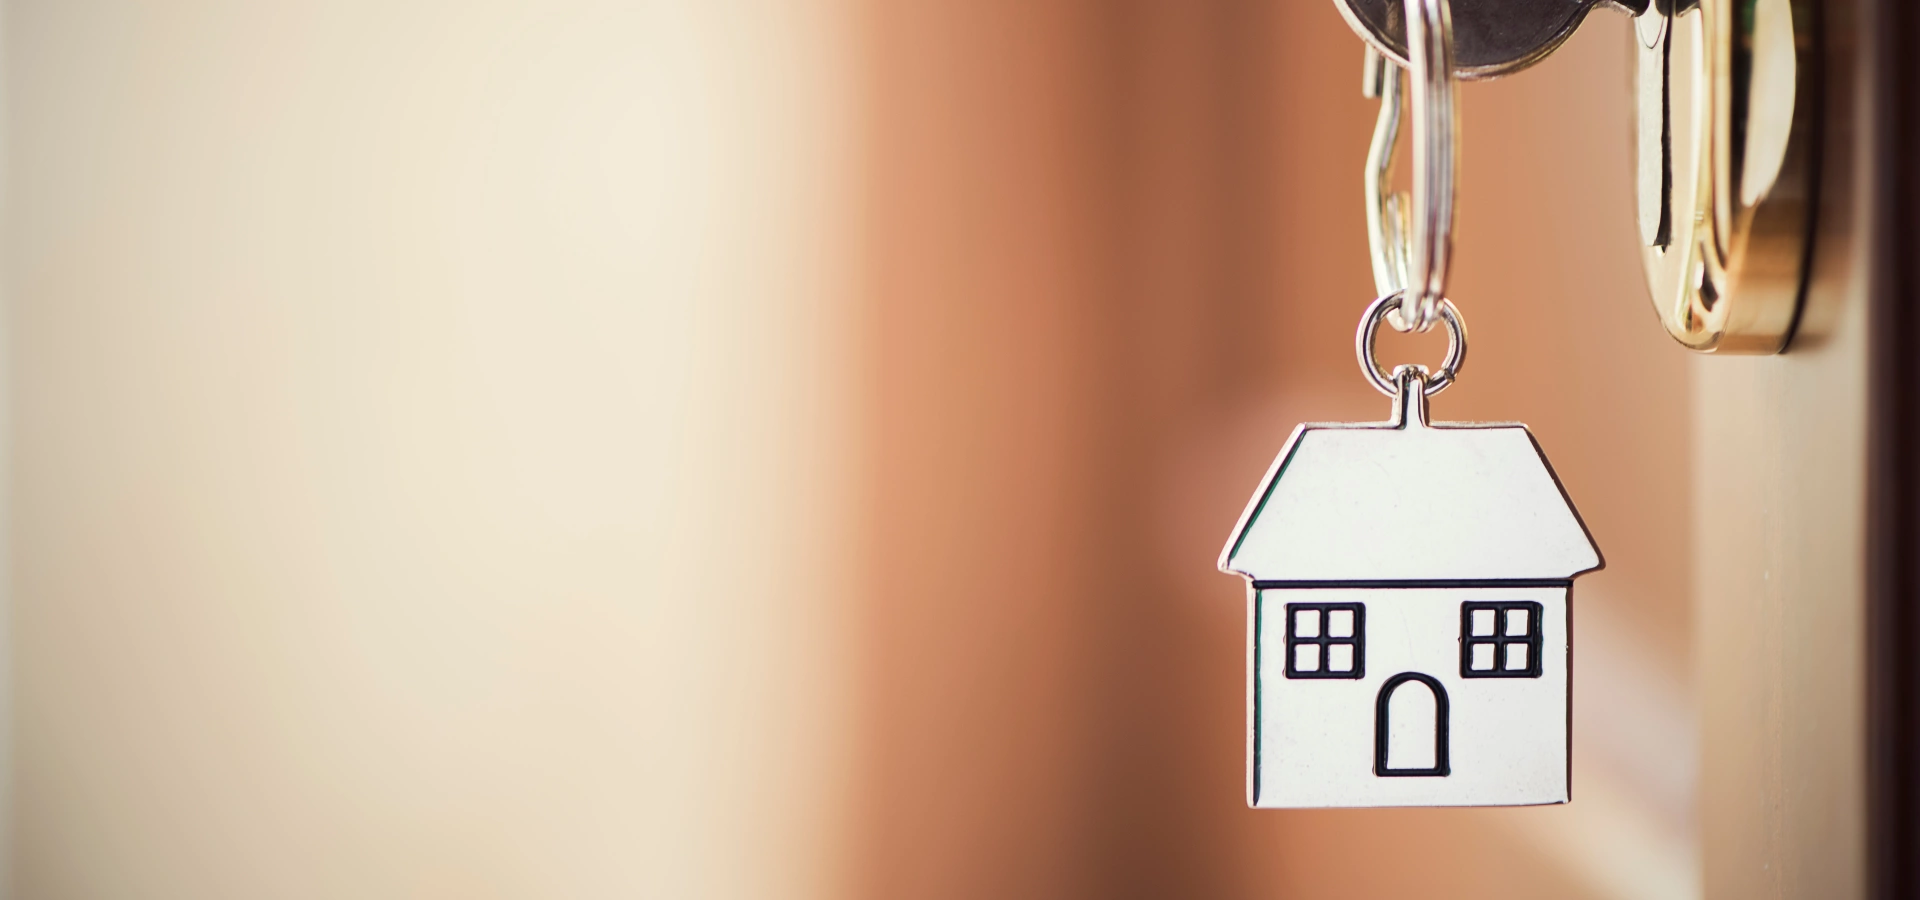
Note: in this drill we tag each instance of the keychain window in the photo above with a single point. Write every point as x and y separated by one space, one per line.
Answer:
1500 639
1326 640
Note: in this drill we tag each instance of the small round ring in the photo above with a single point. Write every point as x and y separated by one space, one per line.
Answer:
1382 380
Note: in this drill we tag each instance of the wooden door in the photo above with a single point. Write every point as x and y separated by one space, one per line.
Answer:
1805 512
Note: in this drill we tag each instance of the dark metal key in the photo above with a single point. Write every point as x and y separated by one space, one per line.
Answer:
1490 37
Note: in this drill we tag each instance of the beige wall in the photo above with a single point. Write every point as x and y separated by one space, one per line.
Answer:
433 447
760 450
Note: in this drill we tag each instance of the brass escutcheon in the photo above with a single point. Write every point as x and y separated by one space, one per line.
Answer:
1727 149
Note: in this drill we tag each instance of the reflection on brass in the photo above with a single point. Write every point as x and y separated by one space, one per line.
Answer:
1728 132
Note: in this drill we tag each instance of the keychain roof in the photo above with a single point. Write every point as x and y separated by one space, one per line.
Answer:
1407 501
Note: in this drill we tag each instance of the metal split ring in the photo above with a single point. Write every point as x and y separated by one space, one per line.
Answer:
1384 380
1413 255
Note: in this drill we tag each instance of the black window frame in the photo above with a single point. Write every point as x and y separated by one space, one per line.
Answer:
1500 640
1358 641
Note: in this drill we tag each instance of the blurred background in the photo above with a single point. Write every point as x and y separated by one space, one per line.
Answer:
735 449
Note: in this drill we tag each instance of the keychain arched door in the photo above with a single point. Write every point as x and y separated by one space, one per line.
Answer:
1411 710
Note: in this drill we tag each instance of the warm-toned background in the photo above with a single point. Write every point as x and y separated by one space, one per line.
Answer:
739 449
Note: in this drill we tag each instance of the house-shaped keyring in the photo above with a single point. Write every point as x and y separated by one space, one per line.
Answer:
1409 595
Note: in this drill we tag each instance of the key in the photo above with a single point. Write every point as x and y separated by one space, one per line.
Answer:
1490 37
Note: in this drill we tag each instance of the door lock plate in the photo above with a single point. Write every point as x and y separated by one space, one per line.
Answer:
1727 156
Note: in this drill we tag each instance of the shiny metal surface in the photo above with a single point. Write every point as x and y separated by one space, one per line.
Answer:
1435 137
1486 506
1653 147
1727 147
1369 332
1386 208
1408 562
1315 739
1495 37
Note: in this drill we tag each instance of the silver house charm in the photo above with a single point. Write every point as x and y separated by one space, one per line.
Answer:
1409 623
1409 584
